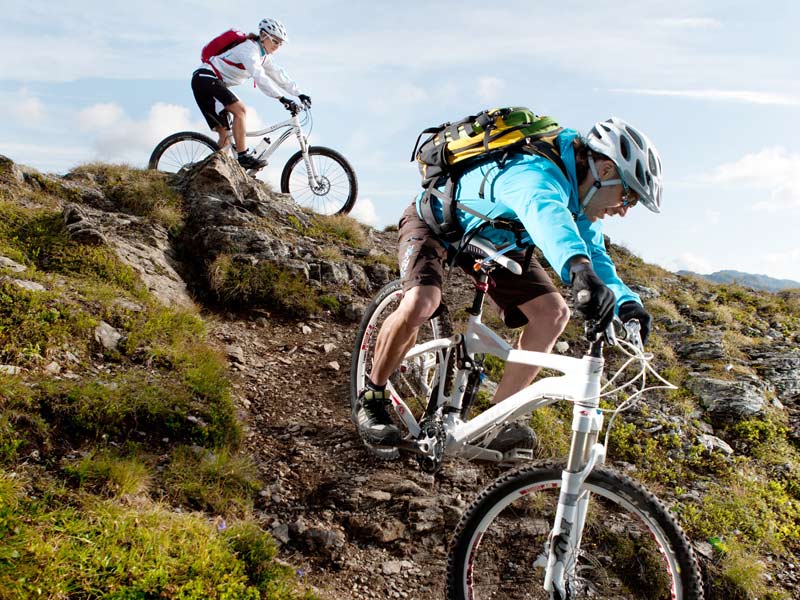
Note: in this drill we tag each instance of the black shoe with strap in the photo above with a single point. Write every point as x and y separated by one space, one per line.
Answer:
374 422
248 160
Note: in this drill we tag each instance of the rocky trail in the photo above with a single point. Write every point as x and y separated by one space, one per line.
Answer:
355 526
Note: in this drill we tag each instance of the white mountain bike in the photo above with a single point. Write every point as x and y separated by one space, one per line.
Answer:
533 533
317 177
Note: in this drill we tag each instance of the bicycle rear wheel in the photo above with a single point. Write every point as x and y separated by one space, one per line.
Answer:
416 379
632 547
180 150
336 189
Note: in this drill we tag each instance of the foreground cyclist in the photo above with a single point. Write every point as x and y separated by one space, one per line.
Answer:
248 59
609 172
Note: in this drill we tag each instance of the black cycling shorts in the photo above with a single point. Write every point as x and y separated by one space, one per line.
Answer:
212 97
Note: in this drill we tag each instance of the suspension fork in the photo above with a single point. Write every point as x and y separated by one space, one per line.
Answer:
573 502
303 142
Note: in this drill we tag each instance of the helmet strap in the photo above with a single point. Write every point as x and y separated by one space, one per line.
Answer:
598 183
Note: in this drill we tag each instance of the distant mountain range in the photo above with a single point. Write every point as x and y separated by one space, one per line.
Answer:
756 282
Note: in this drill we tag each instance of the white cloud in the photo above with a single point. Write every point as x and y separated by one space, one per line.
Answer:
782 265
689 262
121 138
100 116
745 96
396 96
490 88
30 109
364 211
773 170
759 168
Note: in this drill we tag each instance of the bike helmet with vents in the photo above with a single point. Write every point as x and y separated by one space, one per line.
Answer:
274 28
636 157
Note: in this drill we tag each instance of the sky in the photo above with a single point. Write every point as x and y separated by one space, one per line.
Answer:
713 83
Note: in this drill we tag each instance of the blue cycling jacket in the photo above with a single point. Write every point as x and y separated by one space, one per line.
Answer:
534 191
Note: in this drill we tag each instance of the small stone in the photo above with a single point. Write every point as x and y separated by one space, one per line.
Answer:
235 354
7 263
107 336
561 347
31 286
333 365
10 370
305 330
328 348
378 495
280 531
391 567
53 368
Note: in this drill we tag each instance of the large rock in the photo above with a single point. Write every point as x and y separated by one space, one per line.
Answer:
780 366
708 349
229 212
139 243
727 400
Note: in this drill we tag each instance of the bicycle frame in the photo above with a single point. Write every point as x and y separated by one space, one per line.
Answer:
266 148
579 384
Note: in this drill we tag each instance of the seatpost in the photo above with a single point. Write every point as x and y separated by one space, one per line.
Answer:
481 288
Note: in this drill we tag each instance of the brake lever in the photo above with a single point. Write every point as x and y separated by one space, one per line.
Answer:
633 334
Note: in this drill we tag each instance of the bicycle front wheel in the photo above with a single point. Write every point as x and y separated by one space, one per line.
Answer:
335 189
632 547
180 150
415 379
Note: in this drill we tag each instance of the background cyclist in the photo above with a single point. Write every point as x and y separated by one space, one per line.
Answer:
610 171
250 59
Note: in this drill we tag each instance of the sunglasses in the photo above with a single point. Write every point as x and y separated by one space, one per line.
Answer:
275 41
629 197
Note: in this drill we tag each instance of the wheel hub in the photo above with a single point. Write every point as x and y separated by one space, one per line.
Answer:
322 187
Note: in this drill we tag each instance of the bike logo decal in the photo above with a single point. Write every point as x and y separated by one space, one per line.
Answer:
367 336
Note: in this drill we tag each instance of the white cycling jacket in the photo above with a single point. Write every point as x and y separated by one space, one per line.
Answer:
248 60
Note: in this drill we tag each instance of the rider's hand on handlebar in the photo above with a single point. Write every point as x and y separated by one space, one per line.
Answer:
289 105
305 100
593 299
633 310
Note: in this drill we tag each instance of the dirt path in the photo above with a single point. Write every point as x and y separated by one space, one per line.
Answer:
357 527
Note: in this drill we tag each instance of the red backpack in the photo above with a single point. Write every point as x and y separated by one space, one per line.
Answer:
221 43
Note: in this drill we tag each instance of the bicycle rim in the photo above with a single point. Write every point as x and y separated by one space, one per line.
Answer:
415 379
335 188
180 152
631 546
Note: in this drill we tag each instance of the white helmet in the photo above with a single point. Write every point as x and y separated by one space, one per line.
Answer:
274 28
636 157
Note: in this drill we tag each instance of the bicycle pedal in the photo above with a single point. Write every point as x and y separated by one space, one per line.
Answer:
518 455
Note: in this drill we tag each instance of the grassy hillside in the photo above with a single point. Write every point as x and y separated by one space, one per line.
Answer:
121 474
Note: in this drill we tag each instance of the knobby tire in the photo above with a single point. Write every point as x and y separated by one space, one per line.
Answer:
413 377
632 546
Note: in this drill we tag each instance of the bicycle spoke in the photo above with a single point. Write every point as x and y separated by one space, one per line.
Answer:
330 192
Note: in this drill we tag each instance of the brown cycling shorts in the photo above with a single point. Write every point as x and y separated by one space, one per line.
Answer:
422 258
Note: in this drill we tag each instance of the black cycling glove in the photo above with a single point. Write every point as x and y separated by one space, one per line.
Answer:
633 310
305 100
593 299
289 105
